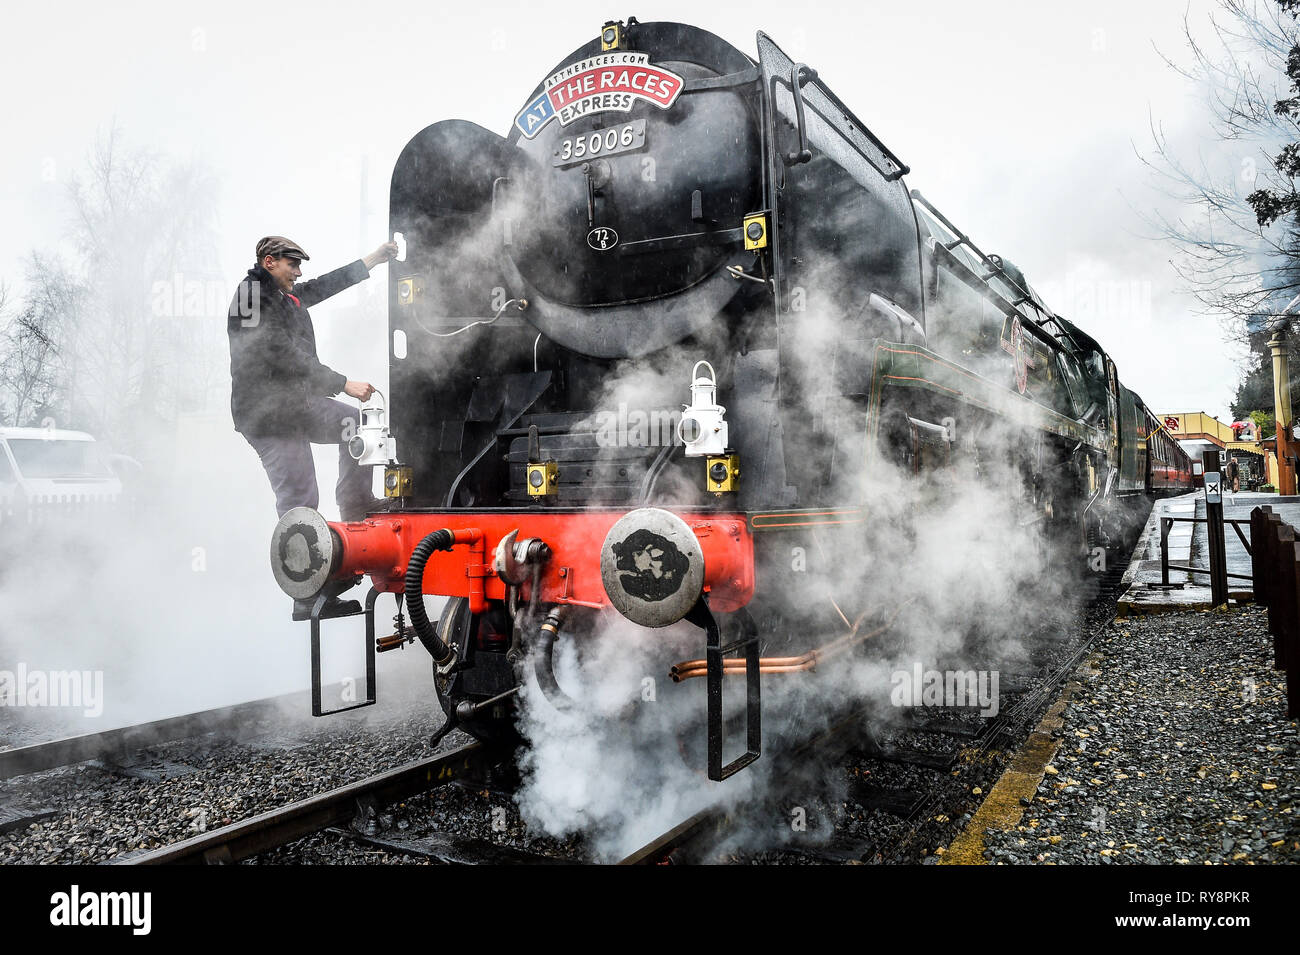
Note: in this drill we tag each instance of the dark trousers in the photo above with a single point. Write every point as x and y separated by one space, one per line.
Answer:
292 473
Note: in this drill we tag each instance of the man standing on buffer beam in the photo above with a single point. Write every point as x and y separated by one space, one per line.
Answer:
281 395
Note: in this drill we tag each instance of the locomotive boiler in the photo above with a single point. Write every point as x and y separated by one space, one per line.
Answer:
661 333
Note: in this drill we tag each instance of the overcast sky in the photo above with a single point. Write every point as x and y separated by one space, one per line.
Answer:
1019 120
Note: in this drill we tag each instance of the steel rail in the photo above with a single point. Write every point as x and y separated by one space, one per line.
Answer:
75 749
715 822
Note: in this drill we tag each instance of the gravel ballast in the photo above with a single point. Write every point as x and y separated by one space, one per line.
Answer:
1177 750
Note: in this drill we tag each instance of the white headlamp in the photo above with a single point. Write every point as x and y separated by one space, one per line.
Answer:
703 429
372 444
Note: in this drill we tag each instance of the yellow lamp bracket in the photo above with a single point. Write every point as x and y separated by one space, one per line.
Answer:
542 478
398 481
409 291
722 473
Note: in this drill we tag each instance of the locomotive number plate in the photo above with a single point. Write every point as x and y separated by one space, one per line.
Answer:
602 239
599 142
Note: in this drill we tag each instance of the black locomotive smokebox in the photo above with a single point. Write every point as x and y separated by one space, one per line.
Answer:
623 222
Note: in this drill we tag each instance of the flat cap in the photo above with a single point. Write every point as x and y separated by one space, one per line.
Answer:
279 245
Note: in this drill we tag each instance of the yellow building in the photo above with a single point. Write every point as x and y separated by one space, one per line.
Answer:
1197 431
1197 426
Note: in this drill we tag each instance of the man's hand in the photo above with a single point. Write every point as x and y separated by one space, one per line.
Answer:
381 254
361 390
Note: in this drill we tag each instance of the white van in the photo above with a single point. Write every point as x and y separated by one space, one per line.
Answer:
46 469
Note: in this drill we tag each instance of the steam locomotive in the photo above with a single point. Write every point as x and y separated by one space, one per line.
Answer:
665 330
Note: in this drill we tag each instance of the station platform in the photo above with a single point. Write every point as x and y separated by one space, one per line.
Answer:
1188 545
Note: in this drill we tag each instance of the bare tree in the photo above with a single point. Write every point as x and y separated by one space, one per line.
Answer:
29 367
33 373
1238 263
1271 203
7 398
96 346
139 220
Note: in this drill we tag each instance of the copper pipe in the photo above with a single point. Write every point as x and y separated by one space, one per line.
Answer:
799 664
680 675
737 663
802 663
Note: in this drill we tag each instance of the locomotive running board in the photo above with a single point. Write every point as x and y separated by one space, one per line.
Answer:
702 617
316 708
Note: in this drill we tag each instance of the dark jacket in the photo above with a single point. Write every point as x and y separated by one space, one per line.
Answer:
273 363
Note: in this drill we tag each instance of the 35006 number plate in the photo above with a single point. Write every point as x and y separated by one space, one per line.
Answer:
599 142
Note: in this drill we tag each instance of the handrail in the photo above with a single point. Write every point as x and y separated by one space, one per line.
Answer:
1165 566
800 74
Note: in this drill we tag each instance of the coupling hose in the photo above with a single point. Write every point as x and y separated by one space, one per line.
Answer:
543 660
428 634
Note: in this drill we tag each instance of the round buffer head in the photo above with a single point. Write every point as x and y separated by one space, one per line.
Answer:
652 567
303 553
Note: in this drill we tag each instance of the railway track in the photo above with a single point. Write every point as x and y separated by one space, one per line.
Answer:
121 741
694 837
343 806
347 809
1007 731
1014 723
691 838
350 810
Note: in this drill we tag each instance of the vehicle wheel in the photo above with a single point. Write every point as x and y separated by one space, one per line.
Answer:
488 638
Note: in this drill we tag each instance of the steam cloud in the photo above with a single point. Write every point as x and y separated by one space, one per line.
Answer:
955 559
